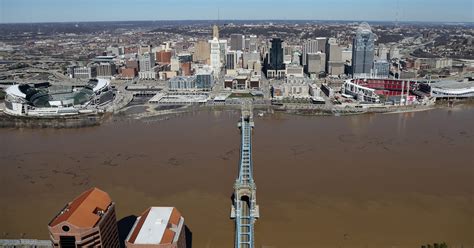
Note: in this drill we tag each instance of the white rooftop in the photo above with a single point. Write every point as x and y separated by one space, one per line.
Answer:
154 226
15 91
102 83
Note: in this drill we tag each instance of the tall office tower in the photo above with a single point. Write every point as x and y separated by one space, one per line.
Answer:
147 62
223 49
215 58
215 32
236 42
87 221
253 43
275 66
363 51
202 52
315 63
247 44
313 46
231 60
276 55
310 46
158 227
333 56
322 44
287 53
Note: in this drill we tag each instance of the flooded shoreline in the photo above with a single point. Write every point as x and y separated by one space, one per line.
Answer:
373 180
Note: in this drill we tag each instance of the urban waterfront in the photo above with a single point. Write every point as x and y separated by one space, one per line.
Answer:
382 180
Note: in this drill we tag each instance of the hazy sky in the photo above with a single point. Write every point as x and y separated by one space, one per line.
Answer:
117 10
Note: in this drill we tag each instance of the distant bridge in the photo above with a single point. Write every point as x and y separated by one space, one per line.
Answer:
245 210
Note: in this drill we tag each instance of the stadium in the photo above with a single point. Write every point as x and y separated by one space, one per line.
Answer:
38 100
370 89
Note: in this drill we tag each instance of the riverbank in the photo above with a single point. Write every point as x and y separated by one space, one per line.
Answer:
162 112
77 121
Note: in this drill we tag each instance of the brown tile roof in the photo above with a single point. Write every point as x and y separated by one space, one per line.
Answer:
168 237
82 211
175 217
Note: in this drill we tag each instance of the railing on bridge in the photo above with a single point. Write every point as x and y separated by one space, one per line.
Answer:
245 210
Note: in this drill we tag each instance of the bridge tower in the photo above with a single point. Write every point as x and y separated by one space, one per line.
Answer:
245 210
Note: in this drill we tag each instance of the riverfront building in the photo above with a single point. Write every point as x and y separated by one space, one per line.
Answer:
87 221
363 50
158 227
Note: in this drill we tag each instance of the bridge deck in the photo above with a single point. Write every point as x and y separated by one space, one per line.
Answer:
244 204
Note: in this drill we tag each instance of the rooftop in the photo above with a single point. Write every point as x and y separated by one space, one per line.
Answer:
157 225
86 210
452 84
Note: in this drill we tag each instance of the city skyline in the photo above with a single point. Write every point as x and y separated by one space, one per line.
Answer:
29 11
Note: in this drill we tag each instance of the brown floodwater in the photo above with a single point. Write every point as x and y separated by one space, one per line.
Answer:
396 180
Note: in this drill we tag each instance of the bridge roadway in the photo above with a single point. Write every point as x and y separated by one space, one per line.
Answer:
245 210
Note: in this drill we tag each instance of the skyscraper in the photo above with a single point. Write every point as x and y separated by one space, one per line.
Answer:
231 60
215 32
275 66
334 64
87 221
236 42
313 46
276 55
202 52
363 51
315 63
215 55
252 43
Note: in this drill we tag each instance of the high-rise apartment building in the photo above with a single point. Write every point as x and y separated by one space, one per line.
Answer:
363 51
87 221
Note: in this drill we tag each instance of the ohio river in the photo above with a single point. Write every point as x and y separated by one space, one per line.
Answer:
397 180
